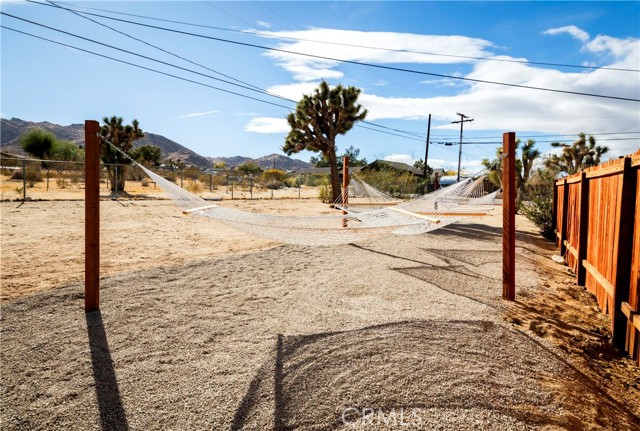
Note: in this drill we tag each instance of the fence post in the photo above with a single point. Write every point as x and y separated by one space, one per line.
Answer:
563 228
24 180
92 216
509 217
345 187
622 251
47 178
251 186
584 229
210 182
115 184
181 176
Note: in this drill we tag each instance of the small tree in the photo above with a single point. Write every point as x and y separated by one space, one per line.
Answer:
67 151
581 154
248 168
539 207
38 143
121 136
148 155
317 121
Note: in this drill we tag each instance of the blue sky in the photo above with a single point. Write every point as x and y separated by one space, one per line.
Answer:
46 82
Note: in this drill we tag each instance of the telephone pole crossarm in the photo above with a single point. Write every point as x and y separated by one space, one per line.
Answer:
463 119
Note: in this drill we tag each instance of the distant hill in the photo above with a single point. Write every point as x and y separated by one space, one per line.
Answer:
12 129
265 162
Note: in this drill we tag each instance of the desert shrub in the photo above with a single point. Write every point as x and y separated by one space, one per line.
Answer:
273 185
539 204
219 180
324 193
75 177
144 182
291 182
204 179
315 180
33 175
273 175
170 175
61 182
194 186
192 173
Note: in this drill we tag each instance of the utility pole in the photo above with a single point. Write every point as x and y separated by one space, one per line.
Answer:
426 152
463 119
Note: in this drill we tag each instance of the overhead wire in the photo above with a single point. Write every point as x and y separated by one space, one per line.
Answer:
142 67
185 79
365 64
261 90
269 35
79 14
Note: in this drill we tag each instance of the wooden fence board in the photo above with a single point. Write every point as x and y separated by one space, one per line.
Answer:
597 222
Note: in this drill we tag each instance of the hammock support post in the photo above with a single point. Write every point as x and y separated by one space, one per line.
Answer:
92 216
509 217
345 187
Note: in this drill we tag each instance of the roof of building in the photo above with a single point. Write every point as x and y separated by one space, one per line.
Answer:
398 166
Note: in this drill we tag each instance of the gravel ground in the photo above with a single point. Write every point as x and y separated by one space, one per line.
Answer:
396 333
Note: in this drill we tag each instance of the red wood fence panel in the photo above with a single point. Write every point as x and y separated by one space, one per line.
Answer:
597 218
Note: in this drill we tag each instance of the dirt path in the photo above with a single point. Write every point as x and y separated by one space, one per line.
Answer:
204 332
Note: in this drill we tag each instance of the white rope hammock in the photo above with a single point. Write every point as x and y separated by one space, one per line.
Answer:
384 214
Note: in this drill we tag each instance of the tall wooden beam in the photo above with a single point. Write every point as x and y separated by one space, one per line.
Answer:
92 216
345 187
509 217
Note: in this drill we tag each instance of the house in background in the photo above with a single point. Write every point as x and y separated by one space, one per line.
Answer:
399 167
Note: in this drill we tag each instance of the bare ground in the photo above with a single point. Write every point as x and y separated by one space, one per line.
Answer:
203 327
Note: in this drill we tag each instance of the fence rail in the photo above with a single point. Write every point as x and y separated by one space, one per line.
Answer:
597 222
34 179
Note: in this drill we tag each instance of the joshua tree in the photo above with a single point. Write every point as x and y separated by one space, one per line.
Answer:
582 154
121 136
317 121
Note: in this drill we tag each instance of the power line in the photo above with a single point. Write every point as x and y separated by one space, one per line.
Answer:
79 14
254 88
143 67
379 66
146 57
190 80
407 51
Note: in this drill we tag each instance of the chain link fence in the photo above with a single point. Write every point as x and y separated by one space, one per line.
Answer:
32 179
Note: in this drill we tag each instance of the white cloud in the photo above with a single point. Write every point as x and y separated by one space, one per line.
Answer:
400 48
264 24
572 30
198 114
267 125
294 91
619 48
524 110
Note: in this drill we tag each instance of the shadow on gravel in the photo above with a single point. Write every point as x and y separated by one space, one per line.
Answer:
112 415
429 374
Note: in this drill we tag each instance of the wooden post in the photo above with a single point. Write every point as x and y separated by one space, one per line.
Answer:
345 187
622 252
509 217
92 216
584 229
24 180
564 215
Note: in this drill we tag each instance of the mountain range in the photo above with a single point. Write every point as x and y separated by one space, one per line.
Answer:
12 129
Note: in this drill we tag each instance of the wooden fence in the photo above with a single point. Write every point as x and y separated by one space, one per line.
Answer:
597 222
